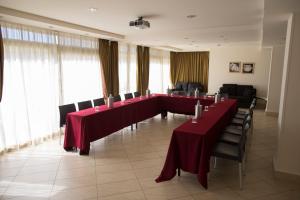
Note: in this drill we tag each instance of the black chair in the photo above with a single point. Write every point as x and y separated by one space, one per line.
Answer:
137 94
84 105
99 102
117 98
128 96
63 111
233 152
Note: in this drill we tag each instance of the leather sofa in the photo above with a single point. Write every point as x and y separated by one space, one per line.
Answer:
187 88
243 93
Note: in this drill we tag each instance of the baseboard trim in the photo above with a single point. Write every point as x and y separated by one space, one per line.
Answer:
285 175
273 114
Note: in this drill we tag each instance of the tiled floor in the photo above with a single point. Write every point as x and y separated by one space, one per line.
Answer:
125 164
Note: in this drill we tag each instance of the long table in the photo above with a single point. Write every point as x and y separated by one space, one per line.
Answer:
191 143
89 125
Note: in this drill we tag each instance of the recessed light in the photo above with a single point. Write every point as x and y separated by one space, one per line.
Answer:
191 16
92 10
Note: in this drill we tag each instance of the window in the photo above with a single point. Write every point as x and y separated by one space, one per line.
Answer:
43 69
80 66
159 72
127 68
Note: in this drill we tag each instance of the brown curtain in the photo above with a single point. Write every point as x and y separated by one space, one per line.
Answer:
105 69
142 69
1 64
189 67
108 52
114 64
145 69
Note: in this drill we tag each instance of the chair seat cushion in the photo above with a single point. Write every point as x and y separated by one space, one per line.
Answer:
228 151
237 121
237 130
230 138
240 116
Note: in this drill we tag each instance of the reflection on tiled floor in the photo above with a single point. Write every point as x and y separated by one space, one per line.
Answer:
125 164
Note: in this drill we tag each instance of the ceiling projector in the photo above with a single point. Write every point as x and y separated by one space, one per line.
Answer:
140 23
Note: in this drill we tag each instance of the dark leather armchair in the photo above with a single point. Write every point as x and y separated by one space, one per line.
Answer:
243 93
187 88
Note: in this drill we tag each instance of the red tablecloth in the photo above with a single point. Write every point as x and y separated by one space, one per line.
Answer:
191 143
88 125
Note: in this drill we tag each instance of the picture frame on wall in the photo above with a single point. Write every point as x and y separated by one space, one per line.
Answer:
248 68
234 66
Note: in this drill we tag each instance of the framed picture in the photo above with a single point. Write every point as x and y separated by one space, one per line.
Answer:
248 68
234 66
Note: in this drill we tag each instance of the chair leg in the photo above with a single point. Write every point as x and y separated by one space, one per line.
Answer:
136 125
178 171
60 136
244 167
131 127
240 174
215 162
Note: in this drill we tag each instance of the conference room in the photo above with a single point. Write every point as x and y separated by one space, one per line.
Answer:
142 100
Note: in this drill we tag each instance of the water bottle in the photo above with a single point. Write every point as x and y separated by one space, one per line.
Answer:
196 93
198 110
110 102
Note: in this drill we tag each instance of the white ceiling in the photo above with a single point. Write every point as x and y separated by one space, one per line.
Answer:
217 22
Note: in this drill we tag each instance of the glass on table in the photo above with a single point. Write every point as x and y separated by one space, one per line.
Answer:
206 108
97 108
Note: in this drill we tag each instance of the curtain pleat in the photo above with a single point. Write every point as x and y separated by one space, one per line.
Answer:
142 69
189 67
1 64
139 71
105 69
145 69
114 64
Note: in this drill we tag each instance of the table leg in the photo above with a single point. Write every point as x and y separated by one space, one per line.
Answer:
164 114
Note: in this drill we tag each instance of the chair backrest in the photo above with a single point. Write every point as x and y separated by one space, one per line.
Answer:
84 104
117 98
63 111
128 96
99 102
137 94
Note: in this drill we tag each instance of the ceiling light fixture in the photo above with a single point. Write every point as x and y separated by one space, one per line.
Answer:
191 16
93 10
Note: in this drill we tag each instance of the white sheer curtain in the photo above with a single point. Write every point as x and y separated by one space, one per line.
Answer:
81 78
43 69
127 68
31 85
159 72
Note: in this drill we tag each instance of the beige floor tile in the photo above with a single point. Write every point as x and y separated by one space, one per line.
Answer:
103 178
75 193
113 167
165 192
118 187
76 182
137 195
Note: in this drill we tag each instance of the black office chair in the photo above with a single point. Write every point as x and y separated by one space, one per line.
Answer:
99 102
84 105
233 152
137 94
63 111
128 96
117 98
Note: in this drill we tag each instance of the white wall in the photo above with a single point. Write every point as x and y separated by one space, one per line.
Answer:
219 72
275 79
287 158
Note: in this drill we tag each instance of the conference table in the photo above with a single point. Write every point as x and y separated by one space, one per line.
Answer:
88 125
192 142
